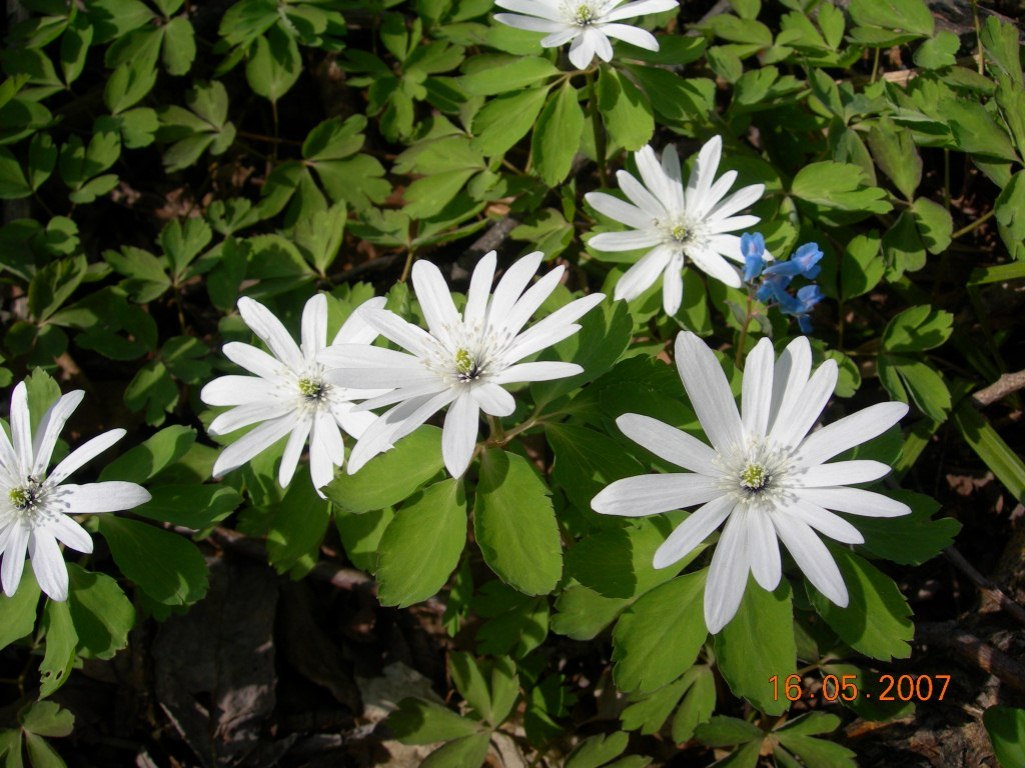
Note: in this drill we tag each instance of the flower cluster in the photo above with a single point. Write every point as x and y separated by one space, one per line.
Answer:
775 278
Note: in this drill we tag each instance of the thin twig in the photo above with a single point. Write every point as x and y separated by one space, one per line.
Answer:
985 585
1007 384
947 634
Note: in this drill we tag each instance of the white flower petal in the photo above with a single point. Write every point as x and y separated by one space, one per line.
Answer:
314 327
539 371
405 392
247 414
763 550
49 429
252 443
14 558
265 325
327 450
652 494
71 534
556 39
602 45
352 421
512 285
237 390
692 531
8 458
520 312
48 565
719 189
356 329
855 501
714 265
701 177
813 558
822 520
643 274
254 360
581 52
480 289
530 8
21 428
629 240
642 38
727 576
669 443
738 201
109 496
553 328
530 23
672 285
715 226
757 391
674 176
840 473
435 299
293 451
459 436
852 430
796 421
789 376
394 425
618 210
639 8
709 392
729 247
357 366
640 196
493 400
84 453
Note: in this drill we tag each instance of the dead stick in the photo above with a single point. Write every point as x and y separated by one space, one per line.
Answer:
1001 388
946 634
985 585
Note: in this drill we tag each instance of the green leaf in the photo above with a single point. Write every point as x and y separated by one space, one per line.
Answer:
583 613
274 64
179 46
596 751
626 110
19 610
41 754
757 644
170 569
142 462
1000 42
1009 207
934 224
421 546
515 525
895 152
75 47
908 379
494 74
516 624
467 752
677 101
862 266
391 477
193 506
43 392
910 17
977 133
53 285
503 121
61 641
586 461
417 721
557 135
183 241
697 705
818 753
827 186
659 636
722 731
938 52
604 334
44 718
910 539
1006 729
320 236
918 328
996 454
128 84
13 184
102 614
877 620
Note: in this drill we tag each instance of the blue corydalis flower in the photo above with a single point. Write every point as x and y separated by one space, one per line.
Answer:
800 306
753 249
804 263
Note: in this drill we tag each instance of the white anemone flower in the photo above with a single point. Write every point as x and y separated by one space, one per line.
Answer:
464 361
290 392
764 475
677 223
36 508
588 23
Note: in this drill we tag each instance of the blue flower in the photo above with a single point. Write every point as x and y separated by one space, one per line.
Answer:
800 306
752 247
804 263
773 288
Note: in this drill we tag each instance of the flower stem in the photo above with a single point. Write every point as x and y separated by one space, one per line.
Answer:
748 316
600 145
974 225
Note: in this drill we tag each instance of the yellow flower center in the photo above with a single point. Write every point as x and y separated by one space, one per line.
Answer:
679 233
311 389
754 477
584 15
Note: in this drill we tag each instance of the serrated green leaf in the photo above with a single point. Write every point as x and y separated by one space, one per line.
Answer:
697 705
102 614
918 329
597 750
910 539
557 135
179 46
274 64
417 721
61 642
